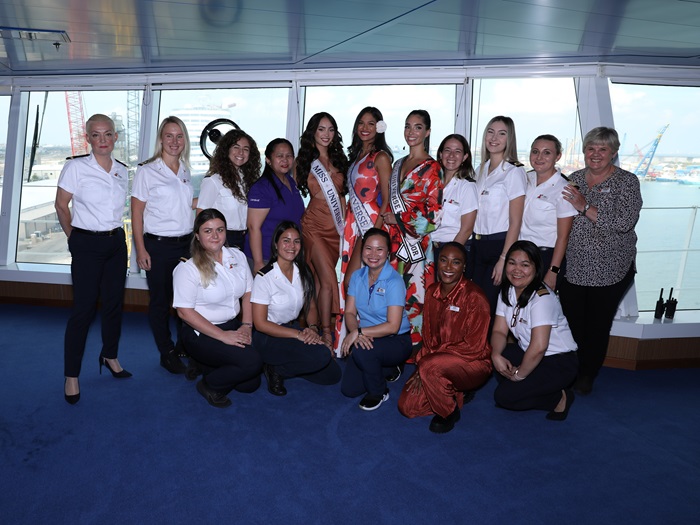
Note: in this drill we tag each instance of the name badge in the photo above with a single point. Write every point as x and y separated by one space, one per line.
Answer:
454 308
381 291
485 192
604 190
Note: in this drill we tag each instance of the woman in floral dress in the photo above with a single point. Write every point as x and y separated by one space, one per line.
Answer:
368 196
415 193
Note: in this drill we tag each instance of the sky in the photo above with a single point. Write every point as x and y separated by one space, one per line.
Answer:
537 106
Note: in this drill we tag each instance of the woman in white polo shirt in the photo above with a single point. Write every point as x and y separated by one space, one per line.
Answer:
161 219
547 217
537 371
211 289
282 290
459 198
500 184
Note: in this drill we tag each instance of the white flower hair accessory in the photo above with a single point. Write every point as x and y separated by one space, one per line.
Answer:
381 126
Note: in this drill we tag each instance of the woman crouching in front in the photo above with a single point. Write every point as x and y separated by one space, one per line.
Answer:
210 290
535 373
281 291
374 314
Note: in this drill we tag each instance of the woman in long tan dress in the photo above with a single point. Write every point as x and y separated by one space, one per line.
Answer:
321 166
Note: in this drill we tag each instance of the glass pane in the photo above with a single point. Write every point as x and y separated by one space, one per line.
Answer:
4 113
56 130
395 103
658 130
262 113
538 106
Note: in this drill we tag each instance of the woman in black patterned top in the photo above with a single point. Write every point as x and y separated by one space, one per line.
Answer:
601 251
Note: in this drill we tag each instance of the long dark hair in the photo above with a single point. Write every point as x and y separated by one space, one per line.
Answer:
307 278
268 174
379 140
465 170
232 176
425 117
533 253
308 151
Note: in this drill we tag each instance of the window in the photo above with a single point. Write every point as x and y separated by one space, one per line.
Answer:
667 161
4 113
56 130
395 102
262 113
538 106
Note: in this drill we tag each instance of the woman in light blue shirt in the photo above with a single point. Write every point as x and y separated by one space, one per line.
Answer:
378 337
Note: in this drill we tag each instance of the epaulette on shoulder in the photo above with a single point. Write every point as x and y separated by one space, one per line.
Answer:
184 259
78 156
567 179
530 171
120 162
516 164
265 269
542 290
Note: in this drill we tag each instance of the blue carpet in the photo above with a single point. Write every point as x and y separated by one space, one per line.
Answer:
150 450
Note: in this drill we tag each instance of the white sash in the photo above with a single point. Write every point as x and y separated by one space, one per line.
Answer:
410 249
362 217
330 193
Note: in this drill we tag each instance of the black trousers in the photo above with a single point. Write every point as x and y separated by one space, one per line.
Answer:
225 367
235 238
292 358
547 254
541 389
485 252
165 255
98 270
365 370
590 311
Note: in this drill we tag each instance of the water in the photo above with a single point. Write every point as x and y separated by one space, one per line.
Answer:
669 245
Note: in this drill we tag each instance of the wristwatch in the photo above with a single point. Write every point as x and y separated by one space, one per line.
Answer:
359 330
585 209
554 269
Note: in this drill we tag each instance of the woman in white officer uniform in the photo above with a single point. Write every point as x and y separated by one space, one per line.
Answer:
459 197
537 371
500 184
282 290
210 290
97 186
547 217
161 211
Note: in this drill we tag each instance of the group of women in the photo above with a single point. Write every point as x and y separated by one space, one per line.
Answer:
504 242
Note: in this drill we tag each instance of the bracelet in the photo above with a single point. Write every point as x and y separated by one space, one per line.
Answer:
503 257
516 376
247 324
299 334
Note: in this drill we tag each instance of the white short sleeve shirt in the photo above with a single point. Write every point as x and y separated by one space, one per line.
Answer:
168 197
495 190
540 310
284 300
99 197
220 300
213 194
459 198
544 204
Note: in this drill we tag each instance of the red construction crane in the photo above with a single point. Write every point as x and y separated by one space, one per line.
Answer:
76 122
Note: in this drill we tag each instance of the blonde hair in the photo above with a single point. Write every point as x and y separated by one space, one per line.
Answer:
185 155
511 152
204 263
99 117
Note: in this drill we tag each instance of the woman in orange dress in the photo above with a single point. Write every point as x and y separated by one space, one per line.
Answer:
368 196
320 171
415 193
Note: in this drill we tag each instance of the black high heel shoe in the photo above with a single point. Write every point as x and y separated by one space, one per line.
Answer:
122 374
70 399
